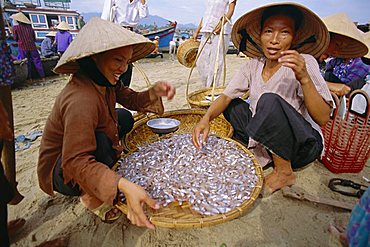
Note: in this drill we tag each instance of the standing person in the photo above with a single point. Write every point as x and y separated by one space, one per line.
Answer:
289 99
127 14
9 229
25 36
48 45
172 48
80 141
210 25
63 38
80 22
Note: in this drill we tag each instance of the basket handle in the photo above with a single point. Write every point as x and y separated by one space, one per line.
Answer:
222 21
337 104
146 79
364 115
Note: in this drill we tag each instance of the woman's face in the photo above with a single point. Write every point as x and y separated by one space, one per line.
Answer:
276 36
112 64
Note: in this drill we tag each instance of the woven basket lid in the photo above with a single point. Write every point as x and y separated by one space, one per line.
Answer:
187 52
367 41
63 26
99 36
311 25
353 43
20 17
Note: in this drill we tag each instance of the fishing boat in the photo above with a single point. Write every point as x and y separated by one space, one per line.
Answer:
165 36
44 17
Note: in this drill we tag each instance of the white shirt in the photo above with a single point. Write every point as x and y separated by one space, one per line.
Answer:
215 9
124 13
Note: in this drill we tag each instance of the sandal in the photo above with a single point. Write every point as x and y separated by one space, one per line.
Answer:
102 211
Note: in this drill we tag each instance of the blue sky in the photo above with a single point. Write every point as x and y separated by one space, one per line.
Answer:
190 11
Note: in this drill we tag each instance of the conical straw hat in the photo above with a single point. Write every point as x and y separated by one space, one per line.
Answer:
345 30
51 34
63 26
367 41
20 17
99 36
311 25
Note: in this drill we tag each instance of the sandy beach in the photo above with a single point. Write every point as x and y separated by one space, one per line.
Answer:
272 221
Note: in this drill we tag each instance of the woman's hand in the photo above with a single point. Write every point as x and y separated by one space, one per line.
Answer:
201 127
292 59
163 88
135 199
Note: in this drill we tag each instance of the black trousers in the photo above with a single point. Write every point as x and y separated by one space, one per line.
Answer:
6 194
104 153
277 126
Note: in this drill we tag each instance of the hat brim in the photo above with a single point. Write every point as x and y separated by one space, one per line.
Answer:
20 17
311 25
107 36
352 48
351 39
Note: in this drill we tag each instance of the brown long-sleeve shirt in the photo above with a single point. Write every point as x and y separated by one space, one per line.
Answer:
79 111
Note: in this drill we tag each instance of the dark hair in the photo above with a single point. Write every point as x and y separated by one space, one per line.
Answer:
287 10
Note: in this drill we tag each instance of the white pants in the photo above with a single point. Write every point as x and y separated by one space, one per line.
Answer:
172 48
207 59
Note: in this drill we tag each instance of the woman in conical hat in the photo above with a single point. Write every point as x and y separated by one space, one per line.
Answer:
81 136
63 38
347 46
289 99
24 34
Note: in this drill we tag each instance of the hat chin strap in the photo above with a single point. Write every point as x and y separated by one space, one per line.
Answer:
88 66
311 39
243 42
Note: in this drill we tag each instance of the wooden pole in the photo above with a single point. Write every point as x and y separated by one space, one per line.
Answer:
8 152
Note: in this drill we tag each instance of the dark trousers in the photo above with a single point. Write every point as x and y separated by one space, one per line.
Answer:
104 153
6 194
277 126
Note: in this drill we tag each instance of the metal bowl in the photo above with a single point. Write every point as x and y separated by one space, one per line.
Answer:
163 125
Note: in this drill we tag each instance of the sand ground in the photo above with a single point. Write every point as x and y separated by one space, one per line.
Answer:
272 221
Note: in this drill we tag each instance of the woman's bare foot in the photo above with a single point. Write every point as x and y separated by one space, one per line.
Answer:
282 175
339 232
279 179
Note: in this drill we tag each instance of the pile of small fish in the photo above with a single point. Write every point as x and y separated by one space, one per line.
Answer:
214 180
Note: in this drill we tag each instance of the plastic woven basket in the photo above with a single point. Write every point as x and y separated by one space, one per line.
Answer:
182 216
347 141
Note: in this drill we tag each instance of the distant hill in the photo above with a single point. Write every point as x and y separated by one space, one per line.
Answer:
160 21
186 26
148 21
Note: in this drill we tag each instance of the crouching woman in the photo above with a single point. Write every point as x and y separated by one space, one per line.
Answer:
80 141
289 99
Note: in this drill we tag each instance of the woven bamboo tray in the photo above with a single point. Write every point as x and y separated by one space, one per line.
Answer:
182 216
142 135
